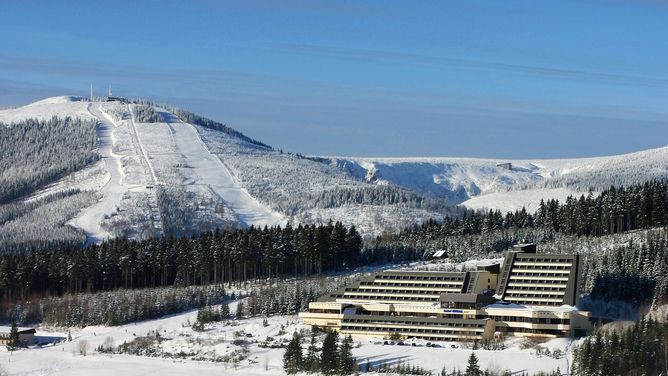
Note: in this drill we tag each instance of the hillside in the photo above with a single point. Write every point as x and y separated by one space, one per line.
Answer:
480 183
157 175
159 171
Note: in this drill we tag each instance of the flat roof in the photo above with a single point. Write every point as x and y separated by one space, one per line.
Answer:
466 298
562 308
22 330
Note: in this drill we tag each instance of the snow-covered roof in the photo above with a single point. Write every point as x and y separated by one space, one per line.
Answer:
504 305
7 329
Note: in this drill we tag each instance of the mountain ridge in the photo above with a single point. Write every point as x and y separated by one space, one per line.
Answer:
179 173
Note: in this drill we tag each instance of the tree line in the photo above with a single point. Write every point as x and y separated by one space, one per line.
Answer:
614 210
123 306
111 307
207 258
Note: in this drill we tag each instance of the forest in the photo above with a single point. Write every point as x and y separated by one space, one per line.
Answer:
614 210
377 195
284 297
640 349
40 224
147 114
208 258
34 153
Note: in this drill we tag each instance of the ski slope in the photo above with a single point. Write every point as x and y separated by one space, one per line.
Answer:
90 219
211 171
136 157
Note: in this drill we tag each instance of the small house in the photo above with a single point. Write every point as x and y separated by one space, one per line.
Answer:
26 335
506 165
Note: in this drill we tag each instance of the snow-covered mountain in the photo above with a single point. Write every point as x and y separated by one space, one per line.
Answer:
508 184
168 171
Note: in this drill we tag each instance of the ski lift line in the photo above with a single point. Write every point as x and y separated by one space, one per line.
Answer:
141 148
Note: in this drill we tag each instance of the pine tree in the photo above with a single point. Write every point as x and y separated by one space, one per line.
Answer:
224 311
204 315
346 360
293 360
329 355
240 311
14 340
473 369
312 361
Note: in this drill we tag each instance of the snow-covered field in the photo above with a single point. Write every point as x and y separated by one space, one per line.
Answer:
179 344
515 200
48 108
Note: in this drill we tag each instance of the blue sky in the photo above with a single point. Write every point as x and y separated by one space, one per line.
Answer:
509 79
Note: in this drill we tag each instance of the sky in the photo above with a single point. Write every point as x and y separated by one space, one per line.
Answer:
505 79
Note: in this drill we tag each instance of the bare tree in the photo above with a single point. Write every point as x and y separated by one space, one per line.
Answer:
82 346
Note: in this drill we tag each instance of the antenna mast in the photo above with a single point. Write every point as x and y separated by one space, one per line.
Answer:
110 91
91 92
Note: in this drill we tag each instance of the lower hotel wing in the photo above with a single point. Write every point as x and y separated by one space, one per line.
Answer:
531 294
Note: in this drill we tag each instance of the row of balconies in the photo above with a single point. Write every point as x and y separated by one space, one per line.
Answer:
534 292
404 290
406 330
517 284
414 283
395 297
546 260
555 272
533 277
457 277
535 301
537 294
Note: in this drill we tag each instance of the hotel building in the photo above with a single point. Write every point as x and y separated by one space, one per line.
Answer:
531 294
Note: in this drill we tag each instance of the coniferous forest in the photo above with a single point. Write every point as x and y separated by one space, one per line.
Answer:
614 210
207 258
35 152
640 349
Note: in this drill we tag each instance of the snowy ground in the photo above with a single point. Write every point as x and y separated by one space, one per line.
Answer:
90 219
218 340
515 200
368 219
48 108
182 350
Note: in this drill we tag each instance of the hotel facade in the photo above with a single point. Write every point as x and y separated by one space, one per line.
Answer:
530 294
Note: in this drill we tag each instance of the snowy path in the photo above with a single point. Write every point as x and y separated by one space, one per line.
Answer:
90 219
212 172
